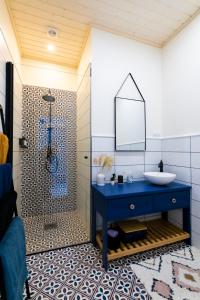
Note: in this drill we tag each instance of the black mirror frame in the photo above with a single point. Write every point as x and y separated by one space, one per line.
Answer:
115 121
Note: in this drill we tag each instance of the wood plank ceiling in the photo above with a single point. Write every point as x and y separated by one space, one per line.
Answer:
150 21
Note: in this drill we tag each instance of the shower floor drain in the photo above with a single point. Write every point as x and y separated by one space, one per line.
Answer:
50 226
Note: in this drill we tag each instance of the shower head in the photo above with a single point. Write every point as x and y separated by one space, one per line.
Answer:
48 97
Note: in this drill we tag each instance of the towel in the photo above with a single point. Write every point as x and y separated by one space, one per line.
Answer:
6 183
13 259
4 144
7 209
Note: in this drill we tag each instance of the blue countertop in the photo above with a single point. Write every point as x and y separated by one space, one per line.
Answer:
138 188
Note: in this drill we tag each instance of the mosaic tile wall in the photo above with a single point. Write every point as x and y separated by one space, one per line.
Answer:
43 192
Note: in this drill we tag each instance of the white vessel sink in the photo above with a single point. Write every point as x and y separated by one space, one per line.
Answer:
160 178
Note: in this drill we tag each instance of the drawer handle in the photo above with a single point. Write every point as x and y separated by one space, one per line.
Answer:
132 206
173 200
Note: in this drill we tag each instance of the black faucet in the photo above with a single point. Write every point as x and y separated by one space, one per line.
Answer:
160 166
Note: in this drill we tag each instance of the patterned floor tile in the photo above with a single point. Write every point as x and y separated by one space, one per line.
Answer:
51 270
32 260
89 259
127 274
95 274
114 269
80 296
50 255
62 275
140 293
69 231
33 292
65 293
82 269
109 281
42 296
41 264
33 274
40 281
118 296
124 287
74 281
88 288
76 273
71 264
103 293
51 288
61 259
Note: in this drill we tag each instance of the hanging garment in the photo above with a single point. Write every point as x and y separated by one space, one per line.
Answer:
13 259
4 144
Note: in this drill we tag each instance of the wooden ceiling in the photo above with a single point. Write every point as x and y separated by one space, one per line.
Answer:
150 21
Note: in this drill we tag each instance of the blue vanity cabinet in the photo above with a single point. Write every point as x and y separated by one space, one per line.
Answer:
128 207
124 201
169 201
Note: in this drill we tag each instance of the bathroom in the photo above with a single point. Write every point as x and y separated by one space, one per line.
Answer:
80 53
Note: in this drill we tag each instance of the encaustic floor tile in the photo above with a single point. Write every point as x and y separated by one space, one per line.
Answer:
76 273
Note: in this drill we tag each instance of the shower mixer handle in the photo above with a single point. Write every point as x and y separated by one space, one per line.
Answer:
49 151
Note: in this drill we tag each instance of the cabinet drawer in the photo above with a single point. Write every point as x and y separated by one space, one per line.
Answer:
169 201
129 207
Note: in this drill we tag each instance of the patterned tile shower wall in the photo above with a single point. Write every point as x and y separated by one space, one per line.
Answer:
44 192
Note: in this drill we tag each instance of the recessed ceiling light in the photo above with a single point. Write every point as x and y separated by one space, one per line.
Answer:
52 32
51 48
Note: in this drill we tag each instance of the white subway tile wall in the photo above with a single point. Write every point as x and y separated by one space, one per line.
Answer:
179 144
83 150
176 159
125 163
195 143
5 56
180 155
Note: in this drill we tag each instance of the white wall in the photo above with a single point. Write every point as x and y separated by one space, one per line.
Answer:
113 57
9 52
9 35
181 83
83 150
83 136
181 107
85 60
42 74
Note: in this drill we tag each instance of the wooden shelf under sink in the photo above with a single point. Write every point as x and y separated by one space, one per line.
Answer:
160 233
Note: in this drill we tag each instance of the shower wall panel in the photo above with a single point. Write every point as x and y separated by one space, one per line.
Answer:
44 192
83 149
5 55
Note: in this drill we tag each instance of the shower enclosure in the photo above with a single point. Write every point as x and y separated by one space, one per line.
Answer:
50 170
